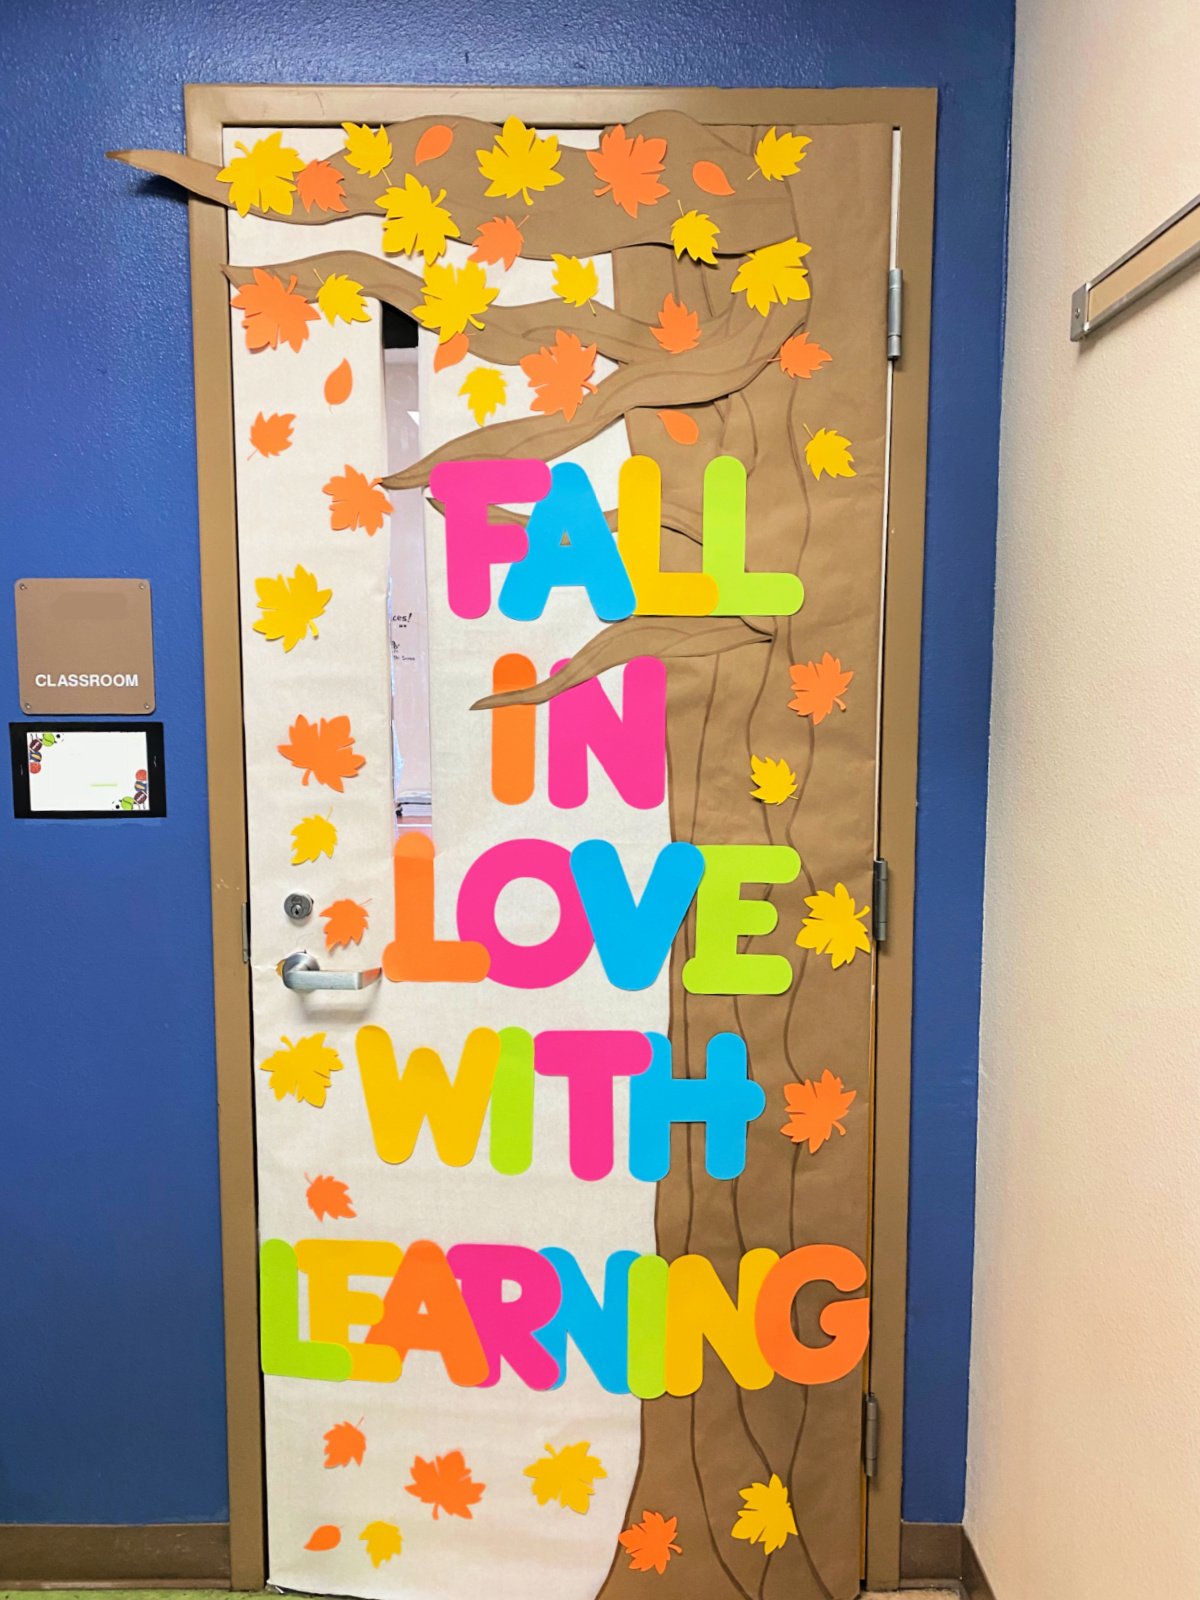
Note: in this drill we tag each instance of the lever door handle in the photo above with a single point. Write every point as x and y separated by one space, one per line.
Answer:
302 973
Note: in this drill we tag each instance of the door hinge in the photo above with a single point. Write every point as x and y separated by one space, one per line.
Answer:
870 1435
245 933
895 312
879 910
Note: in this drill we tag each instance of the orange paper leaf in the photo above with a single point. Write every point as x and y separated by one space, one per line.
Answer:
707 175
344 1443
272 312
451 353
816 1109
498 240
560 374
649 1542
445 1483
678 328
329 1197
318 184
680 427
819 687
345 923
322 750
628 168
339 383
355 502
434 142
272 435
801 356
326 1537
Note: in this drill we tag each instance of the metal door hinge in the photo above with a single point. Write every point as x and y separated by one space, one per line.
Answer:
245 933
879 909
870 1435
895 312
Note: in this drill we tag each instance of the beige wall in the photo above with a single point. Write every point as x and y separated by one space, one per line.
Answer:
1084 1473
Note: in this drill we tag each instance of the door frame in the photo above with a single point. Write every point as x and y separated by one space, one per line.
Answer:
209 109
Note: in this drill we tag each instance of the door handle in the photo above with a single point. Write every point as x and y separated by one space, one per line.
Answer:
301 972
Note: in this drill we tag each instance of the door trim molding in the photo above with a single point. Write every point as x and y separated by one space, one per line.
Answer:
209 109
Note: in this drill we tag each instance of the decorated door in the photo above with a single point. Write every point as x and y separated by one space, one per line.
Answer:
561 484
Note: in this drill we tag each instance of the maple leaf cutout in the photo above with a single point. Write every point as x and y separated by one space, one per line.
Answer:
416 220
368 150
834 928
290 607
560 374
498 240
801 356
329 1197
575 281
434 142
383 1541
649 1542
819 687
678 328
356 502
272 312
313 837
696 234
628 168
520 160
344 1443
303 1069
816 1109
766 1518
774 781
318 184
261 176
340 296
778 155
326 1537
485 390
828 452
345 923
773 275
455 298
567 1475
445 1483
272 435
323 750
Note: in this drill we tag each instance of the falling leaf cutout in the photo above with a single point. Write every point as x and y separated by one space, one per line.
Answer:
707 175
680 427
290 607
560 374
272 435
383 1541
261 176
445 1483
321 185
567 1475
801 356
451 353
834 926
340 296
774 781
695 234
272 312
766 1518
628 168
485 390
355 501
816 1109
345 923
312 838
303 1069
519 161
819 687
575 281
827 452
326 1537
339 384
416 221
345 1444
329 1197
323 750
678 328
434 142
778 155
498 240
368 150
650 1542
773 275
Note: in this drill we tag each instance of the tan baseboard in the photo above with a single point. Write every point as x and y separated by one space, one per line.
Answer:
930 1551
158 1555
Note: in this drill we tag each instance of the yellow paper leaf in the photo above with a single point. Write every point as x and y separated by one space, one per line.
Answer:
312 837
454 297
567 1475
834 927
774 781
261 176
368 150
778 155
773 275
828 452
486 389
340 296
520 160
302 1069
417 221
766 1518
289 606
575 281
696 233
383 1541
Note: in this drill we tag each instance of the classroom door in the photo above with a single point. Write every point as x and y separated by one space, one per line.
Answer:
561 478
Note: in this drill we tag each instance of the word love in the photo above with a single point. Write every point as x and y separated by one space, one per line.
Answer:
567 544
596 909
646 1336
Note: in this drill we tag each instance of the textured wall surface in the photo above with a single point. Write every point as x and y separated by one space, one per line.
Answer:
111 1400
1084 1477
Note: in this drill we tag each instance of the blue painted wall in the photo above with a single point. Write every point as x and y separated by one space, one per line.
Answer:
111 1397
